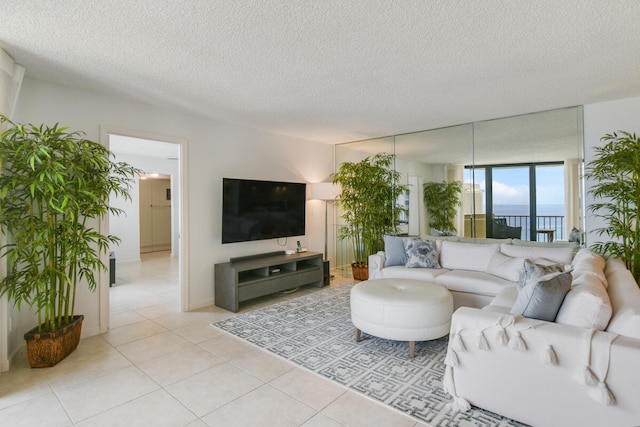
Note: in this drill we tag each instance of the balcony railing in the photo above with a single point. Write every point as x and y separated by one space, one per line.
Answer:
553 223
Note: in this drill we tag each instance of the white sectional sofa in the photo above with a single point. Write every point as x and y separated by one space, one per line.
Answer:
578 369
473 271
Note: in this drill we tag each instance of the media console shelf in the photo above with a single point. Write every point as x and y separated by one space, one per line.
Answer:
245 278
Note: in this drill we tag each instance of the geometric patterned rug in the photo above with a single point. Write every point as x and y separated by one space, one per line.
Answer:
315 331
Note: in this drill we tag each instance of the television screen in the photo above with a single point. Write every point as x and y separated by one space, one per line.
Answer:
259 210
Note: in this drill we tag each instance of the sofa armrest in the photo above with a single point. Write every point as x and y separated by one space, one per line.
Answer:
540 363
376 264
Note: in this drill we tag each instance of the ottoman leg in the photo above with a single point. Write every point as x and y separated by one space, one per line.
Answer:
412 349
358 334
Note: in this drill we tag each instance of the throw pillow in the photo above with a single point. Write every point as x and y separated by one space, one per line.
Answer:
531 269
574 235
542 297
394 251
421 254
506 267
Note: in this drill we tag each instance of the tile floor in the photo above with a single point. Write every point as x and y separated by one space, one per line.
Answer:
159 367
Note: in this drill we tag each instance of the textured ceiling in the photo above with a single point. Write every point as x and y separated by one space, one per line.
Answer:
334 70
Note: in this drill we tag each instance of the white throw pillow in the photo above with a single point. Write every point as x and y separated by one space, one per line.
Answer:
558 255
466 256
506 267
587 304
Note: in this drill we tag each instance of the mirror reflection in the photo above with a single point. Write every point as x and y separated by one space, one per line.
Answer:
520 176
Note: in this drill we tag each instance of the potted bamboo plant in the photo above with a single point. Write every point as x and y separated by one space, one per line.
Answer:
442 200
615 173
370 189
54 185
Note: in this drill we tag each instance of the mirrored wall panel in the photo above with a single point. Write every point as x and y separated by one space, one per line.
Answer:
520 176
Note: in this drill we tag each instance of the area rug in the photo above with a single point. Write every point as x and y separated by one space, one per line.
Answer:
315 331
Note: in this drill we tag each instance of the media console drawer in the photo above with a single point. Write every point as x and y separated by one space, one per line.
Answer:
305 277
245 278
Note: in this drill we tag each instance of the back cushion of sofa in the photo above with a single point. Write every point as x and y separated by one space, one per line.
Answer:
586 305
625 300
466 256
559 255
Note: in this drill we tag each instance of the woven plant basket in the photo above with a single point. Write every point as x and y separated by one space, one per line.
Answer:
360 271
48 348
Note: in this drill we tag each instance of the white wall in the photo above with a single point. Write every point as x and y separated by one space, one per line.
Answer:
599 120
215 150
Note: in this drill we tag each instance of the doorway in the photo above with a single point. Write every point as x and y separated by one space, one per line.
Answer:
153 154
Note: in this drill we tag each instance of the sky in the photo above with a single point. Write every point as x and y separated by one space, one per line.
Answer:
511 185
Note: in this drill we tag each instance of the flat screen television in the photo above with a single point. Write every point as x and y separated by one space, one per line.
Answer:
259 210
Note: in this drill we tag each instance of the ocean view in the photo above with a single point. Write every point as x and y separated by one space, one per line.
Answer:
543 210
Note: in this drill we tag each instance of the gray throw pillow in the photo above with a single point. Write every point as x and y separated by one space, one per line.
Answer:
394 251
421 254
531 270
541 297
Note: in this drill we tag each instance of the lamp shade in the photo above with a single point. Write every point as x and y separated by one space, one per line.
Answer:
324 191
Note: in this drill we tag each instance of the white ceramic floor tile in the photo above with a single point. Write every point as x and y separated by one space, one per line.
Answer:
198 332
176 368
179 365
133 332
154 346
264 406
43 410
321 420
124 318
210 389
309 388
157 409
20 385
354 410
227 346
104 393
262 364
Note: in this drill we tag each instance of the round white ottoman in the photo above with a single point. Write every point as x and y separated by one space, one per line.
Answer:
401 310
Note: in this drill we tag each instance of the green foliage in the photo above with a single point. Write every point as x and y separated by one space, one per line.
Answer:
616 190
368 200
442 200
53 183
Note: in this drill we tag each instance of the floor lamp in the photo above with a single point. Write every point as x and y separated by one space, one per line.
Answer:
325 191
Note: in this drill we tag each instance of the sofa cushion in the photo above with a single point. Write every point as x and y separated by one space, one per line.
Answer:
541 297
625 300
421 254
394 251
506 267
558 255
504 299
589 263
466 256
473 282
587 304
402 272
555 244
537 268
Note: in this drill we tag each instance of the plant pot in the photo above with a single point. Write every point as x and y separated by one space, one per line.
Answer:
360 271
45 349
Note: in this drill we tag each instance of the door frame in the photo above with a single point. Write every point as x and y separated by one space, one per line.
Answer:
183 233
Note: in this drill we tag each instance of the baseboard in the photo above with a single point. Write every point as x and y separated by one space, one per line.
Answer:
202 304
19 352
